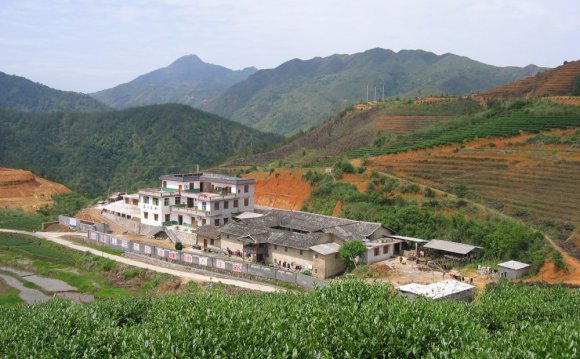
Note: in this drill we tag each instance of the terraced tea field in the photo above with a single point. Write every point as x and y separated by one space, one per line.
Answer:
536 182
404 124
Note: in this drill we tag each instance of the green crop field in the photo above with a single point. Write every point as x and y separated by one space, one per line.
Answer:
349 319
101 277
504 119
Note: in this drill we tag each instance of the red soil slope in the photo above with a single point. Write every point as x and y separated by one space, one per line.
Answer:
22 189
281 189
556 82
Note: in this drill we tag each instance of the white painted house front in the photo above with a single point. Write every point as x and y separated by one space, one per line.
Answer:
196 199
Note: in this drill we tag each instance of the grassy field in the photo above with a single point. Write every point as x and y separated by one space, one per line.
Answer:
66 204
348 319
101 277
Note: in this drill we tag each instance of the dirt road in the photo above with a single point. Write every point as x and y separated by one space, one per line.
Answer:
55 237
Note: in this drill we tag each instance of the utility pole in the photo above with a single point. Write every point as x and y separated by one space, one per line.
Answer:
375 93
367 93
383 92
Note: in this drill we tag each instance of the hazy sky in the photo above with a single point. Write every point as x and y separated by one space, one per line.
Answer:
90 45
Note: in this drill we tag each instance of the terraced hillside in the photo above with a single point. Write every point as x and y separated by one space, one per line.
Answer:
560 81
358 127
531 176
502 119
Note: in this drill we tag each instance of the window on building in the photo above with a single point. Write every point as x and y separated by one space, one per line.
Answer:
275 246
315 270
216 205
227 236
246 202
164 185
166 202
203 221
211 241
377 251
177 201
155 217
146 200
226 220
145 215
385 250
285 249
226 204
316 256
247 188
156 201
216 222
301 252
235 203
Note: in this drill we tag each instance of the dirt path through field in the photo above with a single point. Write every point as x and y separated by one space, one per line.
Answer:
55 237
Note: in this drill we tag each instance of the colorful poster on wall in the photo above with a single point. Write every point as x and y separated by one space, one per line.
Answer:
136 247
147 249
93 236
161 252
173 255
237 267
114 241
103 239
187 258
220 264
124 243
203 261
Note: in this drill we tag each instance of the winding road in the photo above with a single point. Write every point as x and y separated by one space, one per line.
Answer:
55 237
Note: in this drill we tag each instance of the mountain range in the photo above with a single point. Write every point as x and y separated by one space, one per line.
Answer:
188 80
21 94
303 93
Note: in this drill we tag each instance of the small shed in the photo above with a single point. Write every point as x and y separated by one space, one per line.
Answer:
462 250
513 269
208 236
447 289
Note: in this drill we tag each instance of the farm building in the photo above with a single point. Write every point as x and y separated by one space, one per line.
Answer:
453 249
448 289
513 269
304 241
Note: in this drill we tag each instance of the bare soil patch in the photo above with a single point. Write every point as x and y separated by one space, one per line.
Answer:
281 189
22 189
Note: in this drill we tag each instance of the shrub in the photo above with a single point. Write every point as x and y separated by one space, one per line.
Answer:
178 246
428 192
559 261
351 251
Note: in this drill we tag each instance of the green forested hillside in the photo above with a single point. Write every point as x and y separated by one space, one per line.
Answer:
19 93
299 94
188 80
121 150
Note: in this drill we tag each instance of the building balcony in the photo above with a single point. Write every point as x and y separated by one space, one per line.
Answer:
209 197
191 211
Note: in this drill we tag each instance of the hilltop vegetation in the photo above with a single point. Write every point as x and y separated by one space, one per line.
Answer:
349 319
21 94
188 80
121 150
299 94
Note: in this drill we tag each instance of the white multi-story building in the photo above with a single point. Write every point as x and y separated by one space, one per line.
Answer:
196 199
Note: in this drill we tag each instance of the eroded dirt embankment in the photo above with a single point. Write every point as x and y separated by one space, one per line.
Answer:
22 189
